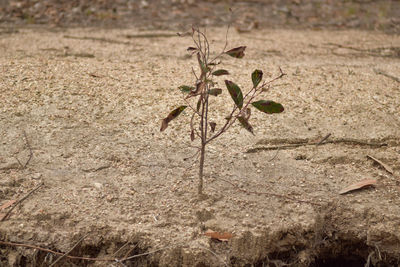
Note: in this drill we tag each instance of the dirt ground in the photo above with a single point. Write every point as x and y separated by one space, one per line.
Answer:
87 103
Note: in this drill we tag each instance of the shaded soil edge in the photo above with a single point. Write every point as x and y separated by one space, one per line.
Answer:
328 241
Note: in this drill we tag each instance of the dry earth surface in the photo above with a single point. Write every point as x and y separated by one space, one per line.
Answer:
88 103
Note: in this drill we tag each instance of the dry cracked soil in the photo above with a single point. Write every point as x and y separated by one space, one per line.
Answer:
80 113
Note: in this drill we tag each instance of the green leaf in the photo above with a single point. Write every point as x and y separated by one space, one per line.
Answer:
220 72
268 106
210 82
237 52
172 115
245 123
186 89
256 77
215 91
235 92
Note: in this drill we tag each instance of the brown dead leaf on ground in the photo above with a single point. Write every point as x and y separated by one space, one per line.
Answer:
359 185
225 236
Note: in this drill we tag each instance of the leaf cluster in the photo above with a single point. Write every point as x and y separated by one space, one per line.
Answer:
205 86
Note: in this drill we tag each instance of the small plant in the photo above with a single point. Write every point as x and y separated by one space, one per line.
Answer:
205 88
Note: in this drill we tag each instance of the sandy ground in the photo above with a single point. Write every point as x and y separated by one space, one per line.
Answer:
88 104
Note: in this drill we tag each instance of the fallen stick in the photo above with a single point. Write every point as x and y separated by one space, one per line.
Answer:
324 141
381 72
271 194
23 166
19 201
385 166
85 258
54 252
69 251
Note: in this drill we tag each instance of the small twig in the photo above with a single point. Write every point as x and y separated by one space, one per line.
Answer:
381 72
129 251
320 143
84 258
118 250
148 253
385 166
194 155
276 154
288 146
324 141
69 251
53 252
270 194
19 201
23 166
30 150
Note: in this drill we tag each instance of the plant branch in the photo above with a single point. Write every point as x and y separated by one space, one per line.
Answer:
191 107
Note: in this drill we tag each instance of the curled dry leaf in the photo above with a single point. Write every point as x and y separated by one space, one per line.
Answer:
172 115
359 185
218 236
237 52
213 125
220 72
192 135
245 123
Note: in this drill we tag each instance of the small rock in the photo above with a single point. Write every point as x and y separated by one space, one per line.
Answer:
98 185
36 175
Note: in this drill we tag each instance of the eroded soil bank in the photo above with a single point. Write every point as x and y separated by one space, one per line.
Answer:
87 105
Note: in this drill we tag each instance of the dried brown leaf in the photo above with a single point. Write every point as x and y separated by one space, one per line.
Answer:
192 135
237 52
213 125
225 236
359 185
172 115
